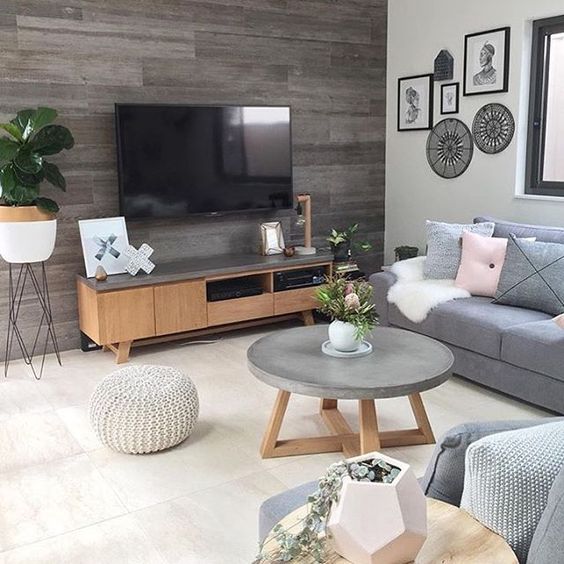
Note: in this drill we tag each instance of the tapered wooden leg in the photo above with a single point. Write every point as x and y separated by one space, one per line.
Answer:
421 417
121 351
369 438
273 429
307 316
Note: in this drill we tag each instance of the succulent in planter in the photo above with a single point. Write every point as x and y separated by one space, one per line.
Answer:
27 219
308 537
343 243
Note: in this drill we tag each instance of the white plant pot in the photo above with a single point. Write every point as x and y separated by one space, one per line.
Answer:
343 336
377 523
26 235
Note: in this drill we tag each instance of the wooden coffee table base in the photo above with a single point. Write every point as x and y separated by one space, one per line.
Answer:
343 438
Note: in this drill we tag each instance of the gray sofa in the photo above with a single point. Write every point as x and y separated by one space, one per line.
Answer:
514 350
444 480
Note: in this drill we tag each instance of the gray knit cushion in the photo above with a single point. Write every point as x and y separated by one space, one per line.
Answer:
520 284
444 247
508 478
144 408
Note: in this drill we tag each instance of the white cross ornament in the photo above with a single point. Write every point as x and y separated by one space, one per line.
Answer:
139 259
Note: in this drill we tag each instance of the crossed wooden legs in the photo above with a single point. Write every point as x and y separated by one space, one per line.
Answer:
343 438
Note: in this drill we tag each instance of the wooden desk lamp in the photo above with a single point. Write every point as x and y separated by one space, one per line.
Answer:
304 218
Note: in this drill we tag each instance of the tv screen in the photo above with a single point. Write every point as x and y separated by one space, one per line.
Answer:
179 160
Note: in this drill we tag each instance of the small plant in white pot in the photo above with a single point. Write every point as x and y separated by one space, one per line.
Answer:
28 224
368 509
349 305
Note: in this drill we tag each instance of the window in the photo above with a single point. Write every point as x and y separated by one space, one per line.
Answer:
545 148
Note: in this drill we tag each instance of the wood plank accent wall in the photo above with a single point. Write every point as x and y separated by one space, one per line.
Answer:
326 58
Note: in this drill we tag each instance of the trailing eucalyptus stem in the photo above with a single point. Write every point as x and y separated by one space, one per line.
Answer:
309 540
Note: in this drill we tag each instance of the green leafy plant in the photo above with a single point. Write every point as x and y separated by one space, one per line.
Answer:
23 166
348 301
283 545
345 240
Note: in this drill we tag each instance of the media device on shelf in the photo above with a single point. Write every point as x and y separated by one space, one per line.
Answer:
179 160
300 278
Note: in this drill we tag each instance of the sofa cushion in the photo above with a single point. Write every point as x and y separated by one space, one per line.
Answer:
508 478
537 346
521 230
444 247
533 276
470 323
481 264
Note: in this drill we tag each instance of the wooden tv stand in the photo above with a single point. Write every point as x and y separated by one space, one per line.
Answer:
171 302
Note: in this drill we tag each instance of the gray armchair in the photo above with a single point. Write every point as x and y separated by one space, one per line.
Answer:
444 480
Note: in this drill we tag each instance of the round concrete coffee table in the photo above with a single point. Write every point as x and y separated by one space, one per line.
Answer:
401 364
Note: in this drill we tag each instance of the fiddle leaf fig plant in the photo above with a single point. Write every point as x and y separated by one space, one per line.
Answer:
32 136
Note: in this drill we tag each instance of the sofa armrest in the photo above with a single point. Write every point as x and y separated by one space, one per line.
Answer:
381 283
547 546
444 478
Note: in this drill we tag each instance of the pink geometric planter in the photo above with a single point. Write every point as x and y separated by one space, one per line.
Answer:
377 523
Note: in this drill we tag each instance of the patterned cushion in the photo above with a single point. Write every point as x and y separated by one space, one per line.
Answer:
508 478
444 247
520 285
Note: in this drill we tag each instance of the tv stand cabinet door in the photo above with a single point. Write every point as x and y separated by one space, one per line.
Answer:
180 307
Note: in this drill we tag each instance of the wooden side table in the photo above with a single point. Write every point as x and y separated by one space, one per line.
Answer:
454 537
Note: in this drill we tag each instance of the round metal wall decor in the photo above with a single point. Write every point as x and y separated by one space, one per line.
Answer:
493 128
450 148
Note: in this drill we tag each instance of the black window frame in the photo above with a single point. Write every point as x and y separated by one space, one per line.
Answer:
538 97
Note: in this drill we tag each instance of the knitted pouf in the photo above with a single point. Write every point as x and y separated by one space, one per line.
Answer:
140 409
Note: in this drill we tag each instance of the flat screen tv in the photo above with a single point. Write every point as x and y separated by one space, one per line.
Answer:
175 160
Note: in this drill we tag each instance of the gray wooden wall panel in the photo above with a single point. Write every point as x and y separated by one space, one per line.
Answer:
325 58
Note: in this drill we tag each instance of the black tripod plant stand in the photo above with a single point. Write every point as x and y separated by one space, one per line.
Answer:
20 278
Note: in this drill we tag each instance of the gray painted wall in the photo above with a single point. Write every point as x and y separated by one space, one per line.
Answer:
325 58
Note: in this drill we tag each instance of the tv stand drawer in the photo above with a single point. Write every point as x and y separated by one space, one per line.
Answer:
240 309
292 301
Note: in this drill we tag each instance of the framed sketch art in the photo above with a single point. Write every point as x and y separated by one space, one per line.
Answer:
415 103
450 95
486 62
103 243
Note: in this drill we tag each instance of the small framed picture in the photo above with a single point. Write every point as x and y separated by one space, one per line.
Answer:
272 238
486 61
415 103
103 242
450 94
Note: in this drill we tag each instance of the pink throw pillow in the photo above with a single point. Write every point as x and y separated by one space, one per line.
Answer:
480 265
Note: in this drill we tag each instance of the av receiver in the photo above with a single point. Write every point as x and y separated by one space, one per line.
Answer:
291 279
234 288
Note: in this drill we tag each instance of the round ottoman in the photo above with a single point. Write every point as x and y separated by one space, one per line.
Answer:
140 409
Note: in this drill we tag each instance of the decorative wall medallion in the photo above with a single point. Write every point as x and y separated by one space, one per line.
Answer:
493 128
450 148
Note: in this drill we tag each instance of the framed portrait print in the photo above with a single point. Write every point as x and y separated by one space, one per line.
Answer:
450 95
486 62
103 242
415 103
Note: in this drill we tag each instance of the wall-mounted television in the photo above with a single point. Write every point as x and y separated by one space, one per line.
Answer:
178 160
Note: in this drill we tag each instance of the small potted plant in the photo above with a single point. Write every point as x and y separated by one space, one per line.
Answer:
343 243
370 488
350 307
405 252
27 220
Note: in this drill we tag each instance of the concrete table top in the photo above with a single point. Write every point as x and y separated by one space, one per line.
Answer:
401 364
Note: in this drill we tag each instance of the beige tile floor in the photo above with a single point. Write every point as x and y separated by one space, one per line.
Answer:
64 498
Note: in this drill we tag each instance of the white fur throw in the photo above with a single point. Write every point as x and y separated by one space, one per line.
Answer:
414 295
